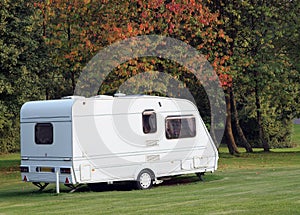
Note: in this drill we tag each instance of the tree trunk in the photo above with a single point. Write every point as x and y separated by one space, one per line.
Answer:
47 93
259 120
232 147
240 132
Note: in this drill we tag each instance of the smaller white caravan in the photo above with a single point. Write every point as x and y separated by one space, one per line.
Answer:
140 138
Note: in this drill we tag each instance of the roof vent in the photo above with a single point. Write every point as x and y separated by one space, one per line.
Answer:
102 97
119 95
73 97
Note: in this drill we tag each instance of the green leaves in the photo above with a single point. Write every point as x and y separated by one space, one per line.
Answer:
45 44
22 56
264 46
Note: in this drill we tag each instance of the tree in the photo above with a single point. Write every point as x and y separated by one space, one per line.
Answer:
185 20
78 29
19 82
259 65
66 30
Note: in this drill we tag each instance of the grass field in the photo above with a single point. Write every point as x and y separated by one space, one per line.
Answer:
257 183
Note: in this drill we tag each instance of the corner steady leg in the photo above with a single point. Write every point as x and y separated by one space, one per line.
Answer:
200 175
41 186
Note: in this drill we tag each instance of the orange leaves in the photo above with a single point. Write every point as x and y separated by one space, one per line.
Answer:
176 8
225 80
192 3
144 15
154 4
80 27
129 28
142 27
145 28
132 30
224 59
171 28
200 46
221 33
39 5
72 55
88 43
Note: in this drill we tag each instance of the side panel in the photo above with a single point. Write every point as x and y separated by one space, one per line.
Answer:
110 144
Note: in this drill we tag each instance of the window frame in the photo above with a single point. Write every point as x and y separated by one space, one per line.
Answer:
149 113
37 138
191 133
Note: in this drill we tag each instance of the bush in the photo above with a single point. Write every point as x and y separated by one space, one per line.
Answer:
278 133
9 136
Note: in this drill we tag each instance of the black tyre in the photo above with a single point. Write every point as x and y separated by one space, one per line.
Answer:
145 179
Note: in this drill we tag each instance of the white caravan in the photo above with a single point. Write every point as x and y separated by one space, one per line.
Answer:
77 140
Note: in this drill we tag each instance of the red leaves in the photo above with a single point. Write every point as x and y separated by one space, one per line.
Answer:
129 28
176 8
154 4
144 27
79 28
225 80
221 33
187 20
144 15
171 28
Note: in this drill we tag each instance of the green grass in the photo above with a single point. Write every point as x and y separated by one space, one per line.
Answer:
256 183
262 183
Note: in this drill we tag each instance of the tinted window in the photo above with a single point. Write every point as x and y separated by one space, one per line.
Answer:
180 127
43 133
149 122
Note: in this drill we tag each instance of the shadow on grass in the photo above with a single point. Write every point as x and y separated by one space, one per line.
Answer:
254 154
189 179
100 187
172 181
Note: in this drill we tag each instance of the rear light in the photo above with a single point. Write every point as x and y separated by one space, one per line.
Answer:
65 170
67 181
24 169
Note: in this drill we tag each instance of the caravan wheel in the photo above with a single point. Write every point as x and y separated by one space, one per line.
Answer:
145 179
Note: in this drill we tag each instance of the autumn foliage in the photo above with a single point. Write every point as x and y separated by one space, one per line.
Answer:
80 28
252 45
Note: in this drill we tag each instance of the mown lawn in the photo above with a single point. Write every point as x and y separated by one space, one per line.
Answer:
257 183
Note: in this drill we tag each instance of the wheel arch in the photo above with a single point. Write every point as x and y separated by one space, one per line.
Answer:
139 170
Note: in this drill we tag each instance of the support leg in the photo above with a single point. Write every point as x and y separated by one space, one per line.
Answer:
200 175
39 185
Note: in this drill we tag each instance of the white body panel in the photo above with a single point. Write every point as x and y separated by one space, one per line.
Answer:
101 139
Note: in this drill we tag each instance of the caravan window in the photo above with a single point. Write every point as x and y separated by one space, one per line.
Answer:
43 133
149 121
180 127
